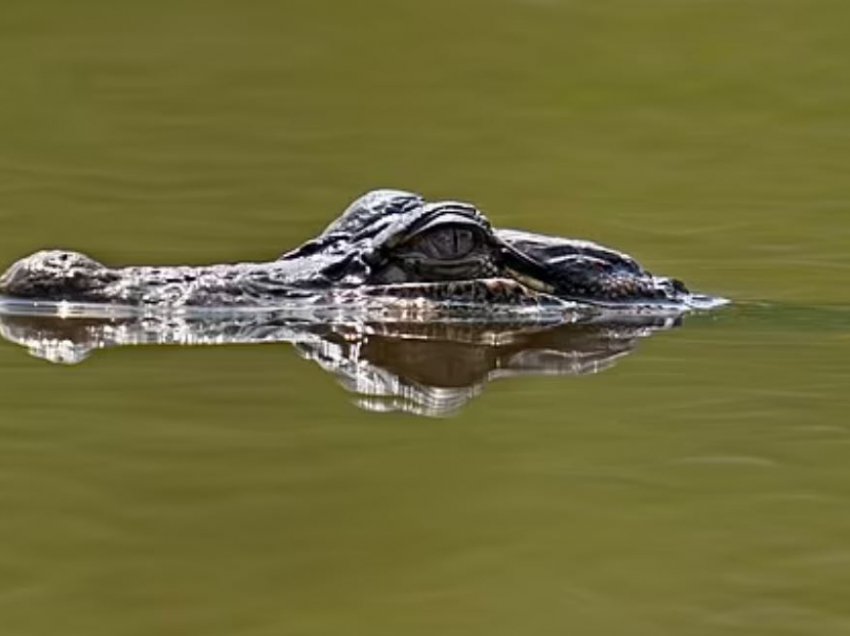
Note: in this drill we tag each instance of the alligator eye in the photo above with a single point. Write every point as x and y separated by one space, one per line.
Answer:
446 243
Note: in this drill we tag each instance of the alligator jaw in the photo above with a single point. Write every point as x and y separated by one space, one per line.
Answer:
487 295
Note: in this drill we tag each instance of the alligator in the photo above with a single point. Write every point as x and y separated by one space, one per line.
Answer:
388 245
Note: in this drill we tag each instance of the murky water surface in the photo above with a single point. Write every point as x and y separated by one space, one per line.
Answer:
697 483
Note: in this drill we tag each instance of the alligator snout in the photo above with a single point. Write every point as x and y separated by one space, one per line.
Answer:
54 274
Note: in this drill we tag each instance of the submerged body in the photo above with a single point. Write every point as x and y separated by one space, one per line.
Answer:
388 244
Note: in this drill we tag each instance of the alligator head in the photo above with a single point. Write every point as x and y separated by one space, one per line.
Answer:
388 244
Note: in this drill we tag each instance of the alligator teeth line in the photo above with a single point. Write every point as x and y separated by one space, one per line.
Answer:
533 283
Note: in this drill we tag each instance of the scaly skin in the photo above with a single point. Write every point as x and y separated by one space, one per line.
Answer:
370 252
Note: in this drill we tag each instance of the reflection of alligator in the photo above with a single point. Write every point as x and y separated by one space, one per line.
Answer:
388 245
429 368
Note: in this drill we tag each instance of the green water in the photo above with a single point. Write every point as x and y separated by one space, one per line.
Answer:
701 486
